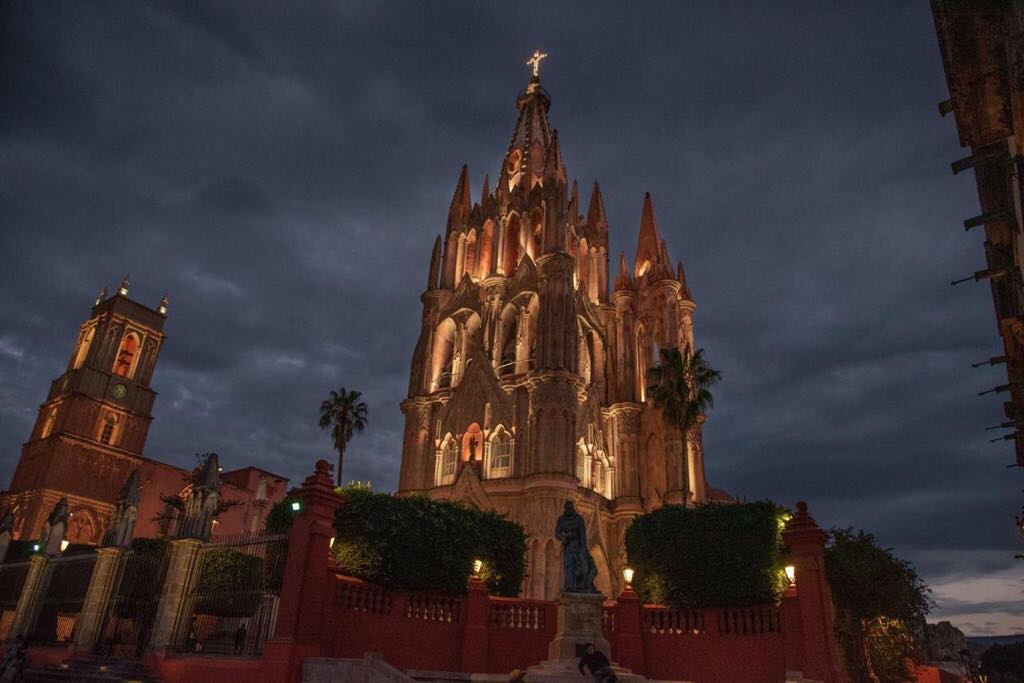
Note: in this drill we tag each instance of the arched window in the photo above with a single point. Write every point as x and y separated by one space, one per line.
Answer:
108 429
444 355
83 348
126 355
581 465
486 246
512 244
449 460
470 258
499 460
51 418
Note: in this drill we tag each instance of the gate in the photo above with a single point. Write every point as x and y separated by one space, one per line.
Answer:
233 606
65 593
12 578
125 628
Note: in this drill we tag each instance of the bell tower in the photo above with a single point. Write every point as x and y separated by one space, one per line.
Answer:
91 429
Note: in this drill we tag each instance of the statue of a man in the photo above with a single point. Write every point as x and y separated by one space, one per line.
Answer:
579 568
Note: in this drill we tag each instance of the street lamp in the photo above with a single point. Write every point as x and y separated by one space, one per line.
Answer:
791 574
627 574
478 566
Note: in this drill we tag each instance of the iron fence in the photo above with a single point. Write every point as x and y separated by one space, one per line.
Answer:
233 605
65 592
12 579
135 595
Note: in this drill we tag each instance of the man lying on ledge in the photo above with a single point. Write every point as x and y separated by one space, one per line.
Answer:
599 666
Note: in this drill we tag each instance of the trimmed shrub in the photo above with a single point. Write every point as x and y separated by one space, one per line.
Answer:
142 579
415 543
709 555
230 584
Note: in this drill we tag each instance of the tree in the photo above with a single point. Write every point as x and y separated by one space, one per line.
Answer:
1004 663
880 601
174 503
680 386
344 414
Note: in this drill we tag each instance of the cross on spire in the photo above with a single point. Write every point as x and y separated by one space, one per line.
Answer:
535 62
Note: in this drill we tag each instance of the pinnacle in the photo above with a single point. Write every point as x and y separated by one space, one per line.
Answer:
596 218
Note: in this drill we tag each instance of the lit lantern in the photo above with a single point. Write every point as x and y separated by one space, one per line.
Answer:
296 506
627 574
332 541
791 574
64 545
478 566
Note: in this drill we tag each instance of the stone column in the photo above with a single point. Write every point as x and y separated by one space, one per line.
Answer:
32 593
474 637
695 456
307 582
806 544
97 598
171 622
629 645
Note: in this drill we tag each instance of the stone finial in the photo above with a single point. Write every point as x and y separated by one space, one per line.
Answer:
162 309
55 528
6 528
123 289
102 296
122 524
203 501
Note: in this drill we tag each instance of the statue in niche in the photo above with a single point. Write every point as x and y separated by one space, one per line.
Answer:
579 568
473 443
55 528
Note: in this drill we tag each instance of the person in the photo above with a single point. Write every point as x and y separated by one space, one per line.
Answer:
598 665
240 634
14 661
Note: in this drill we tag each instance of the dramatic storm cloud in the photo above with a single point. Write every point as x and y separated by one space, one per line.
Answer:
282 171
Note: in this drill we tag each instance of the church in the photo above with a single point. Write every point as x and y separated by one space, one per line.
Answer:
91 430
528 381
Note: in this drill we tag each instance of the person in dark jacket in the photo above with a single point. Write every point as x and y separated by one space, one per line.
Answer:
598 665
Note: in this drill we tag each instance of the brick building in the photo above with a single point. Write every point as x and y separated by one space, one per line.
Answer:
91 430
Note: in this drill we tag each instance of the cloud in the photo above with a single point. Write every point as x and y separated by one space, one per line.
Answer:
282 172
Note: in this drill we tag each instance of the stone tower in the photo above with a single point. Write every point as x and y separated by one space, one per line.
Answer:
528 380
91 430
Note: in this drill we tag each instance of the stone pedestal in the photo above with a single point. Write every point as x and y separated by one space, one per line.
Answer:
579 623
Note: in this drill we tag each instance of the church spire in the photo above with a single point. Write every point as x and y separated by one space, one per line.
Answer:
648 247
622 280
528 150
462 202
597 221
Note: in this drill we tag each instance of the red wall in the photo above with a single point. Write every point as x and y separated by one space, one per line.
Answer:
425 631
714 645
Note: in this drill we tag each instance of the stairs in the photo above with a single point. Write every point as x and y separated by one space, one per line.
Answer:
93 670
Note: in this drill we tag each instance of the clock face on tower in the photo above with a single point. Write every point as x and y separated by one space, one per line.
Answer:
119 391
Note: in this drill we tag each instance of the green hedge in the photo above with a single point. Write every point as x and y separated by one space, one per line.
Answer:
231 583
709 555
416 543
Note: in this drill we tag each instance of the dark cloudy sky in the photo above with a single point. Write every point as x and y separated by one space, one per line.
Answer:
282 169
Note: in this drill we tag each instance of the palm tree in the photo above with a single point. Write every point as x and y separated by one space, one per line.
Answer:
344 414
680 386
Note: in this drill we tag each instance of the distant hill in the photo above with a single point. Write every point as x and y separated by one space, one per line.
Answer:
979 644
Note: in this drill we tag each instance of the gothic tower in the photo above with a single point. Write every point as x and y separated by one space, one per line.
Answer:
90 431
528 379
